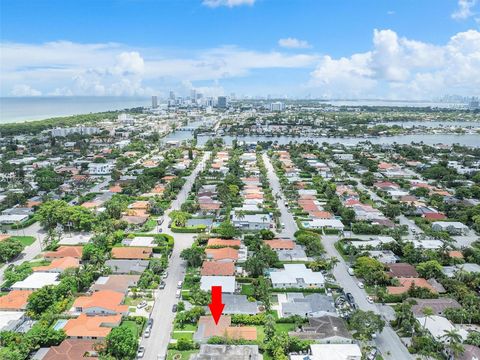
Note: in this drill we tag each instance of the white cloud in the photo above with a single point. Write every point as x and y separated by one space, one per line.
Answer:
403 68
66 68
464 9
294 43
228 3
24 90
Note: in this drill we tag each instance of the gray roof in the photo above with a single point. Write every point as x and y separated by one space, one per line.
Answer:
227 352
437 305
297 253
127 266
322 328
239 304
307 305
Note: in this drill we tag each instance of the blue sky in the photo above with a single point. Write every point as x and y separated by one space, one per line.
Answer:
330 48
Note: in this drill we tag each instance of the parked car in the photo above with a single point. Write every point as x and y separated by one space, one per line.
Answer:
140 352
165 275
283 225
147 332
142 304
360 285
174 308
350 297
369 299
351 272
150 322
162 285
179 284
178 294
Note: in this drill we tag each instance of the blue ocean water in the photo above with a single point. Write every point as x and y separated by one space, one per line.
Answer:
20 109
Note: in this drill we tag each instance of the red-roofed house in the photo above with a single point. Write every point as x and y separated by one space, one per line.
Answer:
64 251
103 302
91 327
218 268
223 254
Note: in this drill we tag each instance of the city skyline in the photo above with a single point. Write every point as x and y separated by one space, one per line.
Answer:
399 49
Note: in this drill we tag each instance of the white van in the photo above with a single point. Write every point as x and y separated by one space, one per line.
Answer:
179 284
178 294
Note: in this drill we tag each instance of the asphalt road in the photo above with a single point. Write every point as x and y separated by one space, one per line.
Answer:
388 341
29 252
285 217
162 314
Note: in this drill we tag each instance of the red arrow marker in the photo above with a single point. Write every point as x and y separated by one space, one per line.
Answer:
216 306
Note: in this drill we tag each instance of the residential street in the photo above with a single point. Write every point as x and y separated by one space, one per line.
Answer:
29 252
388 341
285 218
162 314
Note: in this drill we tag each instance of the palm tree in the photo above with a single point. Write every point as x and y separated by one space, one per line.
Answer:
427 312
453 342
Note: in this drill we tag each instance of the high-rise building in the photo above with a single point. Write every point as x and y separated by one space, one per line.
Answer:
193 95
154 102
172 95
222 102
277 106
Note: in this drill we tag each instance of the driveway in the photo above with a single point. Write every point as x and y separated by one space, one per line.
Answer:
162 314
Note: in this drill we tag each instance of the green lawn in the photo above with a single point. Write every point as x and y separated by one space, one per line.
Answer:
187 327
24 240
260 333
182 335
133 302
133 325
284 327
185 355
247 289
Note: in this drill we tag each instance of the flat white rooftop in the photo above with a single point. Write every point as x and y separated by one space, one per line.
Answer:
8 318
36 281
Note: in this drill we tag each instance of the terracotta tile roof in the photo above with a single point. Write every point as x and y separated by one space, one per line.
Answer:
253 196
4 237
209 206
402 270
207 327
277 244
91 326
106 299
139 205
385 166
216 268
91 204
223 242
321 214
222 254
134 220
168 178
241 332
72 349
60 264
15 300
31 204
406 284
130 252
158 189
455 254
435 216
65 251
115 189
